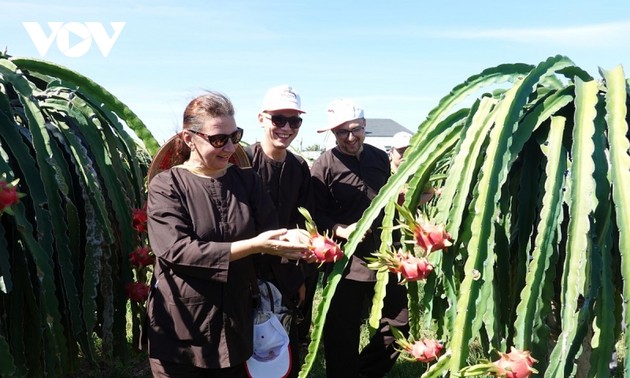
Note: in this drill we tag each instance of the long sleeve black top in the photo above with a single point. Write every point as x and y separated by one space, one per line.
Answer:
343 188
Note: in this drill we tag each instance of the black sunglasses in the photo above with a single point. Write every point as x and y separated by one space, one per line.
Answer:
220 140
280 120
344 133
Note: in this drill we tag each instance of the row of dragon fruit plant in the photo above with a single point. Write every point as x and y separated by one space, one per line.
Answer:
72 173
531 216
526 248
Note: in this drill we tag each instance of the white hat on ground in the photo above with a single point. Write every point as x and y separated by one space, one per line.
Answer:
272 356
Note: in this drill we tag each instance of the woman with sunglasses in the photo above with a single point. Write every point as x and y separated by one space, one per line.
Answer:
206 220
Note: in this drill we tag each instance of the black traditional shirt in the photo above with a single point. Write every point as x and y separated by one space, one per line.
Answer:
288 184
200 308
343 188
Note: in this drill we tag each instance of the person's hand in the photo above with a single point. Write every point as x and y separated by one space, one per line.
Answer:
343 231
296 235
299 236
276 242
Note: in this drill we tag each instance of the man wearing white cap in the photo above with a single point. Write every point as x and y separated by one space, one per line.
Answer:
346 179
400 142
286 177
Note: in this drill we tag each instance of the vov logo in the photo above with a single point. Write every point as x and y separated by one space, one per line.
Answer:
83 32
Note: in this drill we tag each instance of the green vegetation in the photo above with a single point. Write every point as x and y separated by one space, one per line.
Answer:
64 253
533 176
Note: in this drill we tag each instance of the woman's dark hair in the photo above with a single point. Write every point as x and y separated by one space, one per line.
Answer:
209 105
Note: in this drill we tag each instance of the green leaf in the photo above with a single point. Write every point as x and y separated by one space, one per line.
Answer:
382 278
576 265
499 155
93 90
6 285
439 368
606 321
616 117
527 311
48 222
7 367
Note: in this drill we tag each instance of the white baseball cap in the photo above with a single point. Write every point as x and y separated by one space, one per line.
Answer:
272 357
340 111
401 139
281 97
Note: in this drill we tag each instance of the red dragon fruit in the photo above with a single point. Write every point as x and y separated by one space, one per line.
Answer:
429 237
516 364
405 264
414 268
137 291
324 249
141 257
426 350
321 248
139 219
9 195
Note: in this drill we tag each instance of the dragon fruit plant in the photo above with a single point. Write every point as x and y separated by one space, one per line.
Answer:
533 166
81 156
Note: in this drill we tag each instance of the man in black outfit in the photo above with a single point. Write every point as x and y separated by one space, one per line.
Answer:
286 177
345 180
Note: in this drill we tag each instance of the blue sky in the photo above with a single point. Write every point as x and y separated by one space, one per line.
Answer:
395 58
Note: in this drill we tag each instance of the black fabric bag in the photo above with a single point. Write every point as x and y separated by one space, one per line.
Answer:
270 300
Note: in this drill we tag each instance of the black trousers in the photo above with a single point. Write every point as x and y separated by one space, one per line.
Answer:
342 330
165 369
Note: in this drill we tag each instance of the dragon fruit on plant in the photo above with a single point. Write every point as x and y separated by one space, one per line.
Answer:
9 195
516 364
423 350
137 291
322 248
414 268
405 264
429 237
139 219
141 257
426 350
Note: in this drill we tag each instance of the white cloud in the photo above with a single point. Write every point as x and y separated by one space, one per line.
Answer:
33 11
585 35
